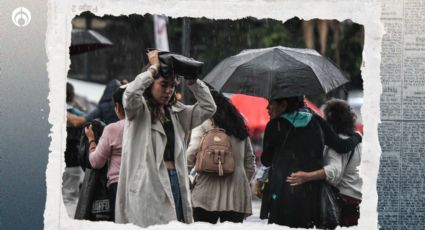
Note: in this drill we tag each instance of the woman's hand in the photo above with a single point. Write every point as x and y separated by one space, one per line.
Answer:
89 133
154 61
297 178
256 188
153 58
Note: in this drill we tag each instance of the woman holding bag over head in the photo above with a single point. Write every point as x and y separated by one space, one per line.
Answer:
153 187
226 197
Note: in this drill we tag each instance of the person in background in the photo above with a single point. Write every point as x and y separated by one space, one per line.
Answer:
340 170
109 148
153 186
228 197
73 174
104 110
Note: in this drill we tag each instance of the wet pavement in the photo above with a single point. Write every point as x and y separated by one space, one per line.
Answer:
255 217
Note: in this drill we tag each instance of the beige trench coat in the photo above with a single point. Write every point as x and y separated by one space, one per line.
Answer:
144 195
228 193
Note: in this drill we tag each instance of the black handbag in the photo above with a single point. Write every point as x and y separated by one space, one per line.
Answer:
93 202
330 206
331 203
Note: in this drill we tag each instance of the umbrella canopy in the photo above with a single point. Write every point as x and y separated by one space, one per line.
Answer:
87 40
276 72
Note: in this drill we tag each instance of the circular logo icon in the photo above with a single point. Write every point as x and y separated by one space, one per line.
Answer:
21 16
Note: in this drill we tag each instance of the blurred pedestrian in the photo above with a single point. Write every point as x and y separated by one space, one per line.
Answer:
227 197
109 148
73 174
105 109
340 170
153 187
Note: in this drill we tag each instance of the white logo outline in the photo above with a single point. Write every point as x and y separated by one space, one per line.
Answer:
19 14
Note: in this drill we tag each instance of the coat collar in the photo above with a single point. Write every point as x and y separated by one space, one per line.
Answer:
177 139
174 109
158 127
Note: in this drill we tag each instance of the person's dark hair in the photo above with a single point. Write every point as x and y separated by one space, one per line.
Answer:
293 103
228 117
118 97
340 116
153 105
69 92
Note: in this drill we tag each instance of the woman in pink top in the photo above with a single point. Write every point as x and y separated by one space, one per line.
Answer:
109 147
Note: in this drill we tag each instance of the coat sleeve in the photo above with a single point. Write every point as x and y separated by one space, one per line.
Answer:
333 168
93 115
133 100
99 156
249 159
337 143
193 115
195 141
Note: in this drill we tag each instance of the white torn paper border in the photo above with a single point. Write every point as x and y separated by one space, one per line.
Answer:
58 39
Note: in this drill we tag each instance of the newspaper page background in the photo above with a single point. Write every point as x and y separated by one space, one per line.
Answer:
401 176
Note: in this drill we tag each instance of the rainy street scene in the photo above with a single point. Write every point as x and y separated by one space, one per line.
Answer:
205 120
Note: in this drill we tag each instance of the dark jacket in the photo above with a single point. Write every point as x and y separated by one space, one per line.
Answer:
105 109
295 142
290 149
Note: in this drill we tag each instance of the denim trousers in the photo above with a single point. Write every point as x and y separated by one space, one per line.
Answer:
175 188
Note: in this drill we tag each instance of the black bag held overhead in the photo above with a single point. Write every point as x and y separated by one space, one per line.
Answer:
176 64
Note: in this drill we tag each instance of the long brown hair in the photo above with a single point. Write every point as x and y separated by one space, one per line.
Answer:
228 117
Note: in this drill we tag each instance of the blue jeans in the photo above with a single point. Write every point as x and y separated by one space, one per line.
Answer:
175 188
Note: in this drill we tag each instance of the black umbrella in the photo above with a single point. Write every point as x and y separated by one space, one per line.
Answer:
87 40
276 72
